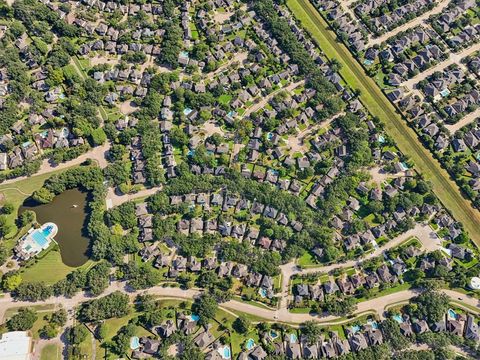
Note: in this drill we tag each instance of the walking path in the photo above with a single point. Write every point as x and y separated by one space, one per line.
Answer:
411 24
376 305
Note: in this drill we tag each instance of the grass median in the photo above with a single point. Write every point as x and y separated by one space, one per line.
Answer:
378 105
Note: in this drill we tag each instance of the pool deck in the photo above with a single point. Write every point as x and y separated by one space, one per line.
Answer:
36 240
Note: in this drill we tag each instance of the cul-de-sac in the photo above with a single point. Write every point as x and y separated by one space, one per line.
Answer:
239 179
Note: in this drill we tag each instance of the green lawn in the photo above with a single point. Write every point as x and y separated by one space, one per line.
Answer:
49 269
50 352
378 105
307 259
225 99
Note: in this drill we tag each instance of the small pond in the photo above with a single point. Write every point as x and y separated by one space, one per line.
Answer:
68 211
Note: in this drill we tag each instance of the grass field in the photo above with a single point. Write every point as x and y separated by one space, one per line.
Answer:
50 352
50 269
378 105
39 308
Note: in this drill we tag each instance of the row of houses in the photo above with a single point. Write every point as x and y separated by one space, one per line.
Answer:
357 338
180 264
352 29
395 17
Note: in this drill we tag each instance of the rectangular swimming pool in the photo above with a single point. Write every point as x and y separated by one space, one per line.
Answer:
39 238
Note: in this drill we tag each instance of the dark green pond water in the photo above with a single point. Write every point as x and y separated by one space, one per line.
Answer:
70 220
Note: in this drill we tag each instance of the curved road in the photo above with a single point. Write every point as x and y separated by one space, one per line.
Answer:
429 240
376 305
97 154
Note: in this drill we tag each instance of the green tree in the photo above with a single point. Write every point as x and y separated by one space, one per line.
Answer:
431 305
27 217
48 331
11 282
77 334
23 320
3 254
43 196
5 226
205 307
8 208
242 325
59 318
311 330
392 334
115 304
102 331
98 136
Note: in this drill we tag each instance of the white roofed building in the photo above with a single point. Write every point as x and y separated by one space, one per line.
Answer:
16 345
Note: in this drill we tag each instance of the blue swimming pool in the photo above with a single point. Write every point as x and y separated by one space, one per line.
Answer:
134 343
273 334
445 92
262 292
39 237
398 318
452 314
293 338
195 317
250 344
355 329
48 230
226 352
373 324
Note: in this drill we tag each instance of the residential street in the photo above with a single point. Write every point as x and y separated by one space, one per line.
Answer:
376 305
411 24
422 232
264 101
454 58
428 238
97 154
